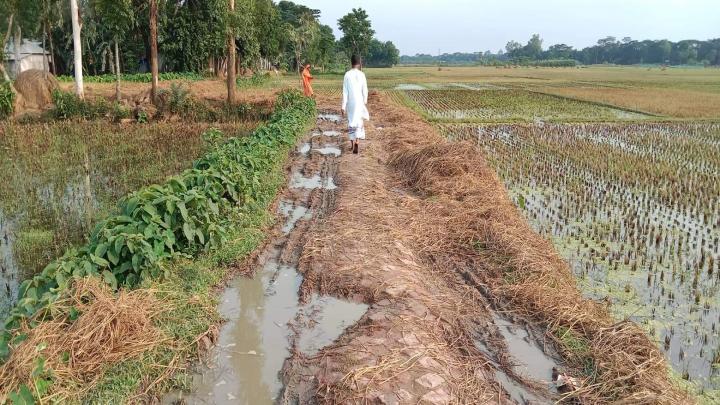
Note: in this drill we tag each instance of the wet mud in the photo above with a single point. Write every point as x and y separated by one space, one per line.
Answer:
342 309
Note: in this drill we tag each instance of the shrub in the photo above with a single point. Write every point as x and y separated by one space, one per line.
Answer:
119 112
256 80
69 105
7 101
180 217
136 77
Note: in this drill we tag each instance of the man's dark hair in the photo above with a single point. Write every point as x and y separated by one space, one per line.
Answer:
355 60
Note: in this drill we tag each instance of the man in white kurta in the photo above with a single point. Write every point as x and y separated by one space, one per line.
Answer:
354 104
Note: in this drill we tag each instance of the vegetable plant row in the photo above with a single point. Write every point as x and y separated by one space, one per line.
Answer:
136 77
182 216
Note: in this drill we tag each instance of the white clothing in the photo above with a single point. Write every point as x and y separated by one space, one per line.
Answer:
355 95
356 132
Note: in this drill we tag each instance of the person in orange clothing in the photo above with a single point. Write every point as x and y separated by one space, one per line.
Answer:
307 78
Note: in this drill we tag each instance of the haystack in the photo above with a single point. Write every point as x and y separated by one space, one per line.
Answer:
35 88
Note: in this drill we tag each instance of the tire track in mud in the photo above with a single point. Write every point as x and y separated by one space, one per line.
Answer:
430 335
266 321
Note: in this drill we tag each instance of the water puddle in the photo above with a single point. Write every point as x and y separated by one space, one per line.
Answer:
406 86
299 181
265 321
531 360
516 391
334 118
328 150
304 148
331 134
253 343
329 318
293 213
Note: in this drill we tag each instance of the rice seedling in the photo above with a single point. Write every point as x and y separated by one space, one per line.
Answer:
635 209
507 105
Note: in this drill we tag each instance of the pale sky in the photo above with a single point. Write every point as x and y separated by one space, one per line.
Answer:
426 26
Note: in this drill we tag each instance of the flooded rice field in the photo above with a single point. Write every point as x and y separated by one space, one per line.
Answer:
478 102
635 209
62 177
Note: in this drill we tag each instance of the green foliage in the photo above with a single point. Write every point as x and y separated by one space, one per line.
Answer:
136 77
119 112
69 106
358 32
7 101
256 80
186 214
382 54
191 32
117 16
555 63
179 100
42 379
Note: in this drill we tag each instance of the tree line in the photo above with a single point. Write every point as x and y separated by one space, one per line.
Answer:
626 51
111 36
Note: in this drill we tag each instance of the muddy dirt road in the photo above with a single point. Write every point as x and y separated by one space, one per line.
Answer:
343 307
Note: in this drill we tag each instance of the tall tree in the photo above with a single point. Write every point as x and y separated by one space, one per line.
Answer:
357 32
153 11
231 52
118 17
77 45
10 20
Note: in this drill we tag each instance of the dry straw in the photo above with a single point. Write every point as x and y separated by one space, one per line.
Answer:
478 228
111 328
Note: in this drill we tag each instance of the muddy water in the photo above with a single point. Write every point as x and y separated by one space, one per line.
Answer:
329 318
316 181
265 320
530 359
530 365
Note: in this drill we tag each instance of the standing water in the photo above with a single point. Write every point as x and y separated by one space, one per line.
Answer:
265 319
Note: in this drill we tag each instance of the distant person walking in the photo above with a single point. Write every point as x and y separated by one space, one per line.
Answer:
307 78
354 104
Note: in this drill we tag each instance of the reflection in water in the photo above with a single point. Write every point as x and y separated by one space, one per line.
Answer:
254 342
331 317
531 361
298 181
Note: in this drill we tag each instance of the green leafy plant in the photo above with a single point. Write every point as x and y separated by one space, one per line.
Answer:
142 117
119 112
42 379
7 100
136 77
69 106
180 217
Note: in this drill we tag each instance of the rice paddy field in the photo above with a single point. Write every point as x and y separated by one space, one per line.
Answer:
618 167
